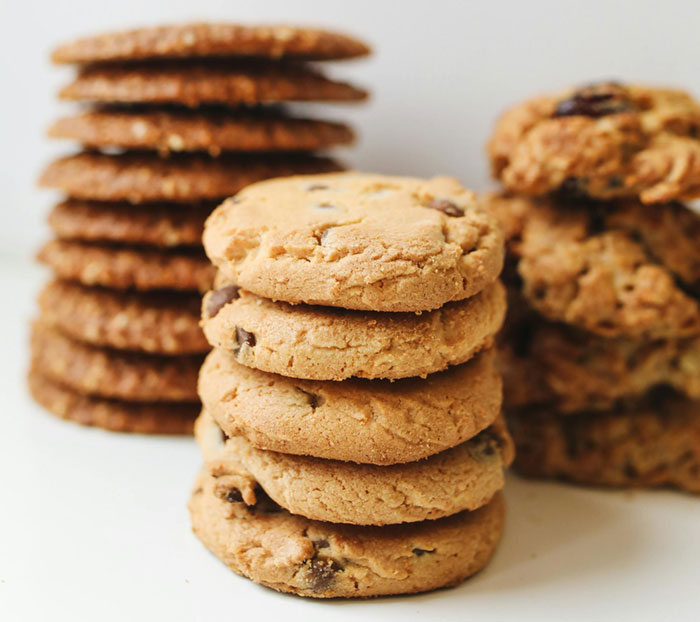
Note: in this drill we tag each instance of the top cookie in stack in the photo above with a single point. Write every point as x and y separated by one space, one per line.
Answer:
179 118
352 386
602 375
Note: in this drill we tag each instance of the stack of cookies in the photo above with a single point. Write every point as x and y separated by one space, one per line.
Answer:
601 353
178 120
351 427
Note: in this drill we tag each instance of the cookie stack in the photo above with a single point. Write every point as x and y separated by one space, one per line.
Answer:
178 120
601 352
351 427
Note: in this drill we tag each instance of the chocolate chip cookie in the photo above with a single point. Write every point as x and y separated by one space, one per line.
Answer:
604 140
325 560
357 241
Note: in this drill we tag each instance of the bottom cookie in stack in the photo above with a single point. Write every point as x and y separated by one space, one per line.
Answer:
402 497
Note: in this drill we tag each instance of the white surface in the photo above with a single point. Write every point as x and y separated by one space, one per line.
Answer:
93 526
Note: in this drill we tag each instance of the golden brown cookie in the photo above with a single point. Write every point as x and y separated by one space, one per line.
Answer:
143 177
655 442
365 421
213 131
465 477
113 415
125 267
214 81
108 373
323 560
201 39
604 140
325 343
157 322
356 240
158 224
602 267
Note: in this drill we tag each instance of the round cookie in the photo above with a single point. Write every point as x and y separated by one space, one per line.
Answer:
157 224
325 343
157 322
200 39
113 415
118 374
124 267
590 265
571 370
144 177
654 443
213 131
604 140
323 560
465 477
214 81
358 241
365 421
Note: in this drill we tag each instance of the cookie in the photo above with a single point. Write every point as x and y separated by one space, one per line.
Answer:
365 421
113 415
358 241
144 177
124 267
604 140
590 265
571 370
653 443
110 373
156 322
156 225
211 39
465 477
323 343
213 131
215 81
323 560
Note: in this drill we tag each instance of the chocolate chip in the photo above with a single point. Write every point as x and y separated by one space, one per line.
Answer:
264 504
446 207
321 544
234 496
630 470
322 573
243 336
313 399
614 181
220 297
418 552
595 100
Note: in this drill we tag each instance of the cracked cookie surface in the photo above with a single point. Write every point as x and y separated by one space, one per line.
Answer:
322 560
610 269
365 421
604 140
465 477
358 241
325 343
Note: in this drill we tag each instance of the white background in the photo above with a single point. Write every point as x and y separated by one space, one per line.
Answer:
93 526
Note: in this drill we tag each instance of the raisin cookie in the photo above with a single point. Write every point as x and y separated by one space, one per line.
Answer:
201 39
113 415
365 421
604 140
655 442
158 322
465 477
215 81
143 177
125 267
602 268
358 241
191 130
110 373
324 560
325 343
